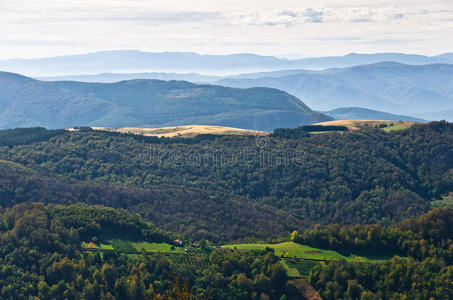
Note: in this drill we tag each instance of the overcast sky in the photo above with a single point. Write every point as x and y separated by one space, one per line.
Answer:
31 28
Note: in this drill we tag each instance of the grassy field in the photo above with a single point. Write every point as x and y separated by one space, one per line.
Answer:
290 249
446 201
290 269
395 127
184 131
298 268
128 246
156 247
358 124
97 246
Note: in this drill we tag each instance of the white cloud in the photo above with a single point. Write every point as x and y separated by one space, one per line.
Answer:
49 27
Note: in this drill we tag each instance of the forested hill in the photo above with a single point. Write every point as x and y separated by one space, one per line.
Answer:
146 103
218 186
42 258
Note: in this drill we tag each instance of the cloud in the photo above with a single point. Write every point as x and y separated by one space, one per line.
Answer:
294 17
313 16
398 16
265 26
179 17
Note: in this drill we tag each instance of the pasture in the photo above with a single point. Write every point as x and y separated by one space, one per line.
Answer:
358 124
122 245
184 131
293 250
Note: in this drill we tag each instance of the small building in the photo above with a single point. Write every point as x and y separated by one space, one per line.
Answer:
178 242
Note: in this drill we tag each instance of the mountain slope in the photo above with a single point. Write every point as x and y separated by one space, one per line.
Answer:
358 113
389 87
146 103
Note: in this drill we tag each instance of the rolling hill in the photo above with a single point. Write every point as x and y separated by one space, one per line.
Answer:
207 185
391 87
385 125
184 131
28 102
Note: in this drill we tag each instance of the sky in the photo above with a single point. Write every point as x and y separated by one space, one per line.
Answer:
30 28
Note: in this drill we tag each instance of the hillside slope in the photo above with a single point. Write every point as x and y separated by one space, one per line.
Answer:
146 103
198 213
213 183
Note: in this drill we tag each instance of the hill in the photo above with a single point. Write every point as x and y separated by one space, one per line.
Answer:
86 252
359 124
76 205
191 211
390 87
358 113
146 103
219 186
184 131
58 252
133 61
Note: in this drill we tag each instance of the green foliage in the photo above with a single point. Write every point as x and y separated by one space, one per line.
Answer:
19 136
294 250
396 279
40 257
427 236
367 176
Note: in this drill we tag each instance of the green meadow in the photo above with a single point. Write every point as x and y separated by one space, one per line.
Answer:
444 202
125 245
293 250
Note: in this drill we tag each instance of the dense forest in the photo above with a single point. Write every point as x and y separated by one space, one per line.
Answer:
366 192
424 272
304 131
366 176
41 257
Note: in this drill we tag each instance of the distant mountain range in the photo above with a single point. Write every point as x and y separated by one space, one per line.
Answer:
26 102
424 91
358 113
115 77
133 61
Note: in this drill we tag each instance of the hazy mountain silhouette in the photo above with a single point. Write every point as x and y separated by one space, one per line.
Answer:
391 87
146 103
133 61
358 113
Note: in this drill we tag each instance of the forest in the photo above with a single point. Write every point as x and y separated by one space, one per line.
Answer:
366 192
424 271
362 177
41 257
